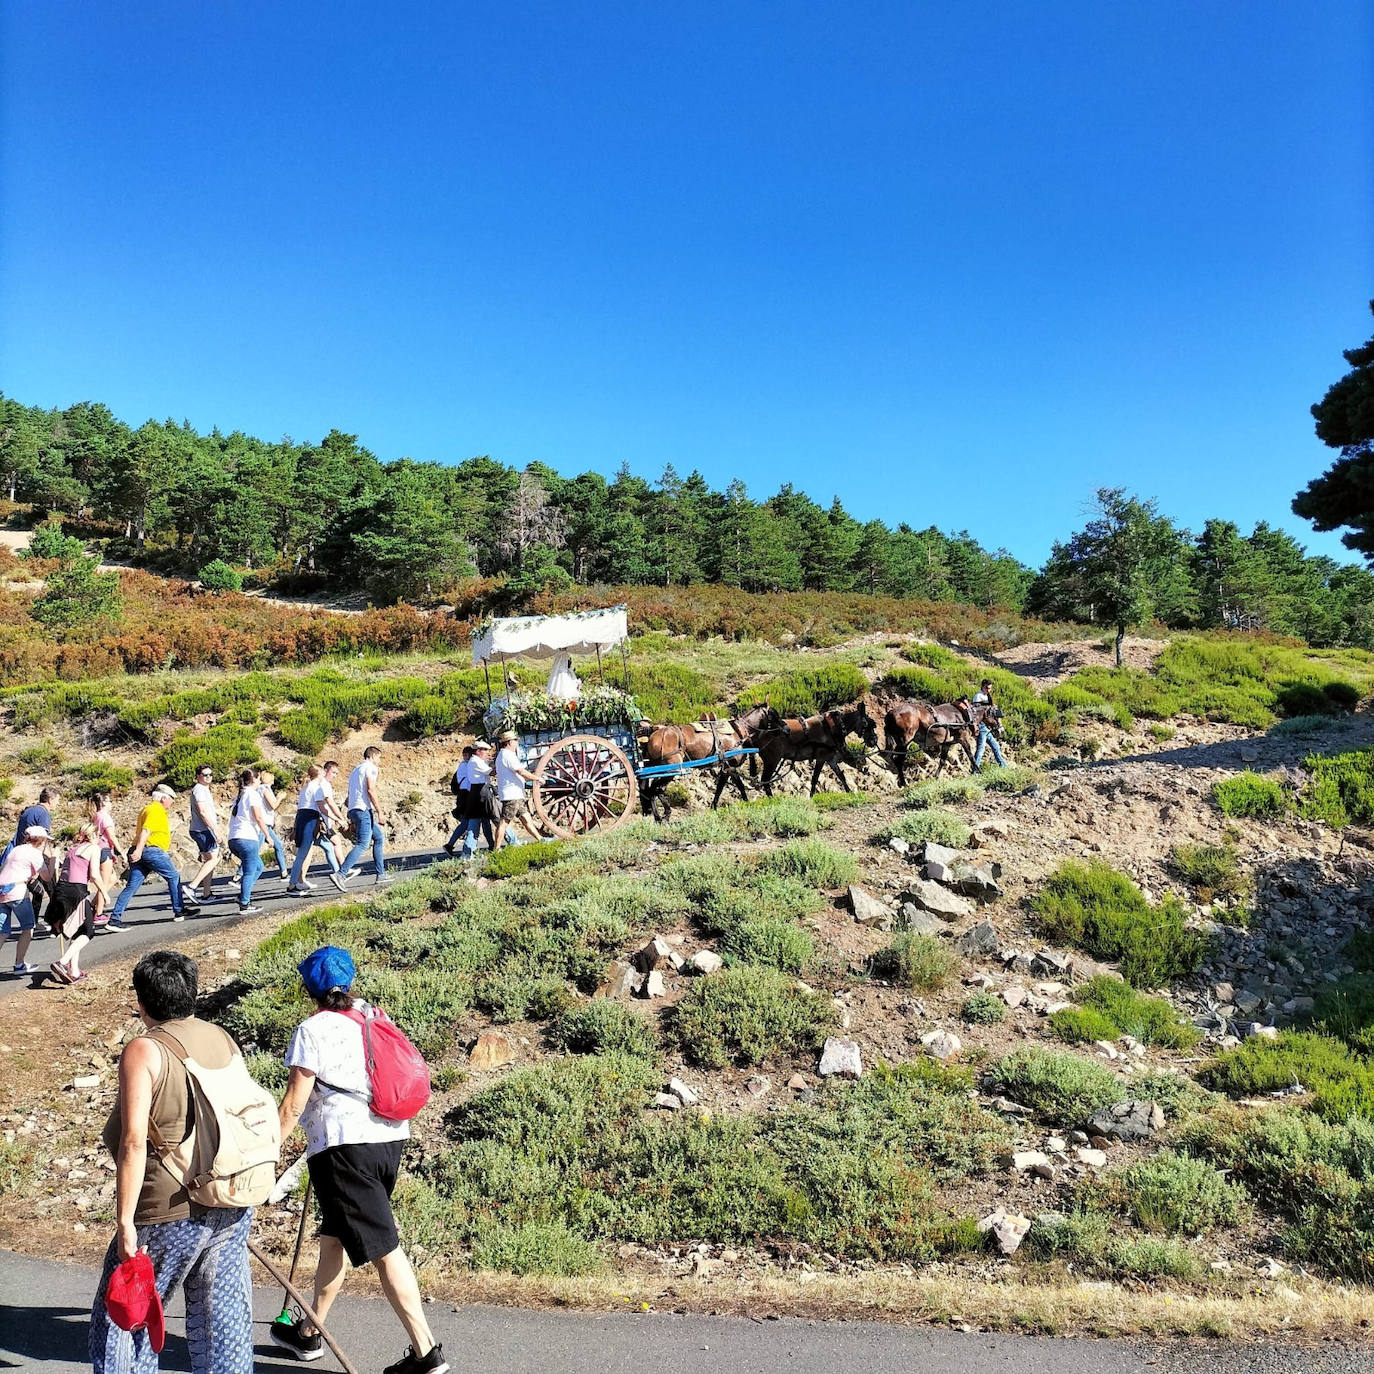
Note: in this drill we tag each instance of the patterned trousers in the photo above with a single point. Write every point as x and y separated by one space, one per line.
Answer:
208 1257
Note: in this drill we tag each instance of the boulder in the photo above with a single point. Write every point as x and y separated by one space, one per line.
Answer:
653 985
797 1083
868 910
912 918
621 981
934 898
933 853
1094 1159
1023 1161
1014 995
687 1096
942 1044
657 954
491 1051
899 846
1127 1121
1051 963
941 873
667 1102
979 883
1008 1230
840 1057
706 961
977 940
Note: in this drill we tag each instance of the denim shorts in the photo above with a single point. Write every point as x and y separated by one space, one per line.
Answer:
206 843
20 911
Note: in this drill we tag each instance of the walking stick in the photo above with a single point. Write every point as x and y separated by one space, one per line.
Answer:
294 1292
284 1317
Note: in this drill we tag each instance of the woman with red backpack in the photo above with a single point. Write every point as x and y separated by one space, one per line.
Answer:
355 1083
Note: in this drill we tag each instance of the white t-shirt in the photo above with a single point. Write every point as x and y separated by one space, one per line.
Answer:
510 786
312 794
462 775
357 785
330 1045
202 807
241 823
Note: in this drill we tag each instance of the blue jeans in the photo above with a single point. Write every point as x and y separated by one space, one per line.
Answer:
311 834
278 848
986 737
367 830
207 1257
157 861
249 854
471 827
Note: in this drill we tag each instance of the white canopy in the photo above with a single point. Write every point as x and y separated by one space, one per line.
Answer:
542 636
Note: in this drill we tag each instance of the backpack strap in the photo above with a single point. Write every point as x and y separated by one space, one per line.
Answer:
360 1020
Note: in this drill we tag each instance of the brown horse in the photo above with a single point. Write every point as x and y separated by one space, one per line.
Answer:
676 743
935 727
820 738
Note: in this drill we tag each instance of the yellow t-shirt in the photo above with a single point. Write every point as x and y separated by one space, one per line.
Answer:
153 819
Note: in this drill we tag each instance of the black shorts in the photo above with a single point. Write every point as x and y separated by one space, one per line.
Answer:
353 1186
510 810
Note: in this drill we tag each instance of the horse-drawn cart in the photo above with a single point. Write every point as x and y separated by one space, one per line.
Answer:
581 743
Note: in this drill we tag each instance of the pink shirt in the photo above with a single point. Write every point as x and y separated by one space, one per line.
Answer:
24 864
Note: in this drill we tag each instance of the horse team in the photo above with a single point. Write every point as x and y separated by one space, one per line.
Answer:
821 740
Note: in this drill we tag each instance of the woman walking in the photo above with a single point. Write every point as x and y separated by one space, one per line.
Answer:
353 1157
72 912
271 804
102 823
316 815
247 835
201 1250
26 861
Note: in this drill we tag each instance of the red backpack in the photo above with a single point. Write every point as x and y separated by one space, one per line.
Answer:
396 1070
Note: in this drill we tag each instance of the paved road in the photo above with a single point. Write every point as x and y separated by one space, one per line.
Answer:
44 1309
149 915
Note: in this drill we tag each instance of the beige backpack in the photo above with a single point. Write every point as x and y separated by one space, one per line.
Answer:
229 1159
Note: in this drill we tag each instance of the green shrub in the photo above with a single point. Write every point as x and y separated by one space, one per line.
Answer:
983 1009
1341 1081
672 692
1209 868
1344 696
1089 1240
1346 1010
1103 912
842 801
100 776
219 576
917 961
944 827
1082 1025
938 791
44 757
766 816
1178 1096
807 691
1341 791
1151 1258
747 1015
1161 734
511 860
1359 950
534 1248
1062 1087
1248 794
48 541
604 1026
6 788
1175 1194
813 862
225 748
1303 699
1151 1020
772 941
1317 1174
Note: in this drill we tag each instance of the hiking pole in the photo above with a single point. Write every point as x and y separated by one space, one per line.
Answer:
294 1292
284 1185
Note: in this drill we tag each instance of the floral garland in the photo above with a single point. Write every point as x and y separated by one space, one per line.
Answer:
532 712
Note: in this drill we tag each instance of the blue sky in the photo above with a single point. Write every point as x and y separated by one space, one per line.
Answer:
959 264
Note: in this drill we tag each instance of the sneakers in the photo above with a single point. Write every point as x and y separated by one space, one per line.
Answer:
178 915
249 910
60 972
189 904
296 892
411 1363
21 970
339 881
294 1339
115 927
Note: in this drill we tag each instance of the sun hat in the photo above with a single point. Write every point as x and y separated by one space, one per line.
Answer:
482 744
507 736
36 831
162 790
328 967
132 1299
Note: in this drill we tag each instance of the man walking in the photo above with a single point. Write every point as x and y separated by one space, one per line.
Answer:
204 831
983 697
511 777
365 812
150 854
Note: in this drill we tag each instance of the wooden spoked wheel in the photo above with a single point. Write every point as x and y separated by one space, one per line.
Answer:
584 783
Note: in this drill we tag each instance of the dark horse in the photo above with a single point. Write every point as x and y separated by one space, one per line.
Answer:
662 744
935 727
820 738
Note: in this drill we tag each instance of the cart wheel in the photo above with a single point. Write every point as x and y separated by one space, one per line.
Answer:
584 783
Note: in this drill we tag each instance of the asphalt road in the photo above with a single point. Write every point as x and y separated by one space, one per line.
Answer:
149 915
45 1307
